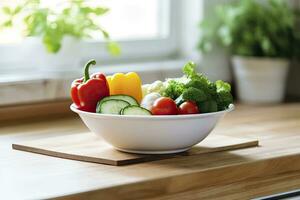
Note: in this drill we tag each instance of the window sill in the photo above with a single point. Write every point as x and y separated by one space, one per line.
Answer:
39 86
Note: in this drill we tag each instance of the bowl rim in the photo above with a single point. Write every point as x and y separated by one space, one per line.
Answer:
230 108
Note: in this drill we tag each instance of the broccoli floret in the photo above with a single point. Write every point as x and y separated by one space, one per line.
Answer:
194 94
212 89
208 106
199 84
174 89
224 99
209 88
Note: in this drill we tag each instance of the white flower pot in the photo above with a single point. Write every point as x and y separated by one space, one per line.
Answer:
260 80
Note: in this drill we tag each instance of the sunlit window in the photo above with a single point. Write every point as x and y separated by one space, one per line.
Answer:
126 20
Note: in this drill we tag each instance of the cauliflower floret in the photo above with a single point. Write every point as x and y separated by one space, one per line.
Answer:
148 100
156 86
145 89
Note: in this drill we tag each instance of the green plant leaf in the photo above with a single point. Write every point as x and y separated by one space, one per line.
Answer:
252 28
100 11
105 34
7 23
223 86
189 69
97 11
7 10
17 10
114 48
76 20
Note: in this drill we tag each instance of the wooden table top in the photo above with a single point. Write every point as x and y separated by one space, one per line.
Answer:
239 174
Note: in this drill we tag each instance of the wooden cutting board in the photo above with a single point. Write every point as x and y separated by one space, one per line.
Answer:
90 148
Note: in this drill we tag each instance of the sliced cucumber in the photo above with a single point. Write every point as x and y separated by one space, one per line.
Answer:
112 106
129 99
135 110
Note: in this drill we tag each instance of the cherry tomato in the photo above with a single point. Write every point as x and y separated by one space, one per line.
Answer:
164 106
188 107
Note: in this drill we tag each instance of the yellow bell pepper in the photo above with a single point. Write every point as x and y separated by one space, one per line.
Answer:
128 84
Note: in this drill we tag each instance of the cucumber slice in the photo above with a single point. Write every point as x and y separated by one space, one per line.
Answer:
129 99
135 110
112 106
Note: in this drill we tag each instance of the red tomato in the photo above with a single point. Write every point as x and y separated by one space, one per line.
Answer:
164 106
188 107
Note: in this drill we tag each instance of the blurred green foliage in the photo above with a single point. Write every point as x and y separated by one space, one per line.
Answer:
52 26
253 28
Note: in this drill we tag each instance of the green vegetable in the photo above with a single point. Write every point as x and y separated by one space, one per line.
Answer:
208 106
135 110
174 89
224 97
223 100
112 106
209 88
179 100
197 80
129 99
76 19
194 94
223 86
189 69
209 96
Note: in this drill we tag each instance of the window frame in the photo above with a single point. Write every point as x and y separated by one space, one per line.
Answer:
164 47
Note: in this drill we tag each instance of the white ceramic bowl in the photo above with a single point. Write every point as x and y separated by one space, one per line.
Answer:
151 134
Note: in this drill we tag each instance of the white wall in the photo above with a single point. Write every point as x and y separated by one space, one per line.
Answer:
216 64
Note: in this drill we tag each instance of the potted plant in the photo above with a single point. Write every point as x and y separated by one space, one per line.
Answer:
262 39
53 34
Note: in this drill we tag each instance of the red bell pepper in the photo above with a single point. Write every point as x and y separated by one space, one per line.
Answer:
87 91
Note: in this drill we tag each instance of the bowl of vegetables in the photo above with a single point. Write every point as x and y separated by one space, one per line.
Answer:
163 117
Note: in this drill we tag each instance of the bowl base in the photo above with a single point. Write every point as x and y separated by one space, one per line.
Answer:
153 151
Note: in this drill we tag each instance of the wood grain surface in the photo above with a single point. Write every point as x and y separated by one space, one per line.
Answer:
90 148
35 110
241 190
236 174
